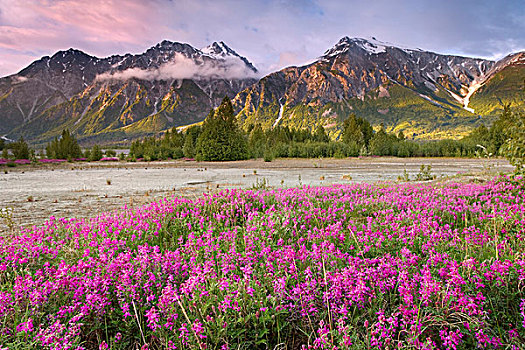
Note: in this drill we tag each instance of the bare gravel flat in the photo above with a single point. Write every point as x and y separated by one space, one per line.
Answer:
34 193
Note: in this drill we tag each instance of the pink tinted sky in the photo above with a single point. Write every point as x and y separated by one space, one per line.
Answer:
270 33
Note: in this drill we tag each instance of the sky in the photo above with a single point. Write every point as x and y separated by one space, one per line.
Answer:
272 34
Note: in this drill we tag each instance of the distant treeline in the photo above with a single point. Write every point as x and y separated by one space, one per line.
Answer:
64 147
221 139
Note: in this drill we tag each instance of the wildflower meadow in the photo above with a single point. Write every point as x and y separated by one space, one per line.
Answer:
360 266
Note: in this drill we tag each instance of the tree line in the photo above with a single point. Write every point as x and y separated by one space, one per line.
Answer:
63 147
221 139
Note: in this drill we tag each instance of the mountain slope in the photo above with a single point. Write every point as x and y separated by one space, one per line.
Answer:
504 84
118 97
425 94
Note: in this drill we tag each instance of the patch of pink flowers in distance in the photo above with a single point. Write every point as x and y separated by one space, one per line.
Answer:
109 159
16 161
22 161
416 266
52 161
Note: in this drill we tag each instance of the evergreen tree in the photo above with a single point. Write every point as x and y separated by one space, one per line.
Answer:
2 144
221 138
479 140
52 148
20 149
110 153
136 150
257 142
190 141
87 153
320 134
501 128
64 148
382 143
176 139
95 154
357 130
189 146
70 145
514 147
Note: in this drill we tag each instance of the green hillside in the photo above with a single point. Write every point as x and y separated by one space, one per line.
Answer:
402 109
505 87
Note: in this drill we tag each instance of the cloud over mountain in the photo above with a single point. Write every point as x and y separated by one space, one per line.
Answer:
182 67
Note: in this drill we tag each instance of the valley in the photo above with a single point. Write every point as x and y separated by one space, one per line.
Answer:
33 194
277 174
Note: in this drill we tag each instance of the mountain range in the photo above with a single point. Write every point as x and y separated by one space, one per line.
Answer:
120 97
424 94
115 99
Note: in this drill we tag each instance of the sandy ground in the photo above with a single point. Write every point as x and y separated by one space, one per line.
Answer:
33 193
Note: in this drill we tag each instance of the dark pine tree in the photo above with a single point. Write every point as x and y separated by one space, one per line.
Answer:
64 148
221 139
20 149
320 134
190 141
357 130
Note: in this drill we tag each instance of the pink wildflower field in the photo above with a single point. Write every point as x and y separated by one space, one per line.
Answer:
415 266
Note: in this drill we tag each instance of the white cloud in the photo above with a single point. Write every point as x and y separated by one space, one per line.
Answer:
185 68
19 79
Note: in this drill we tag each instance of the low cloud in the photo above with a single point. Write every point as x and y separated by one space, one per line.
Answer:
19 79
182 67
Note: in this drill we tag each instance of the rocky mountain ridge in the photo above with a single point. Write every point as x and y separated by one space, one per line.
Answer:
169 84
426 95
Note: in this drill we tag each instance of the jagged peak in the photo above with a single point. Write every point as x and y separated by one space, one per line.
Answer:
60 57
171 44
370 45
516 58
167 45
70 52
219 49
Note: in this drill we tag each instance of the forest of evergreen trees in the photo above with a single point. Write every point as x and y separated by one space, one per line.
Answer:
220 139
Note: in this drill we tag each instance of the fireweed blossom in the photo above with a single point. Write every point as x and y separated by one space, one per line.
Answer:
418 266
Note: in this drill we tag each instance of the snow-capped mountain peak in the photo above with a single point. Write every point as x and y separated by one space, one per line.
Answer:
371 45
221 51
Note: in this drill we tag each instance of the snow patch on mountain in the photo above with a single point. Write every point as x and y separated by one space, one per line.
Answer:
373 48
471 90
517 58
281 110
431 100
6 139
219 50
455 96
